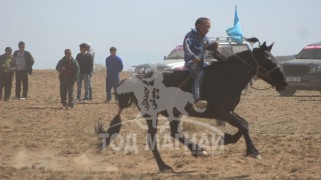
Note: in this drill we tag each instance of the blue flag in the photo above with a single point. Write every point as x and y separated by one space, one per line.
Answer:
235 32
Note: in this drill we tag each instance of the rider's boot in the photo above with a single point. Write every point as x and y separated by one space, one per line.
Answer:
200 104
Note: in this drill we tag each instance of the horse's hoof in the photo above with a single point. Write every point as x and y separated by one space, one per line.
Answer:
166 169
199 153
258 157
255 156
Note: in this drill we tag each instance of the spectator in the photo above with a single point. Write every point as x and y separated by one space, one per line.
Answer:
7 66
68 74
91 51
85 61
24 62
114 66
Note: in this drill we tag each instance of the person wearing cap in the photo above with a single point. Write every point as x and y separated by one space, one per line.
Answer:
85 61
91 51
114 65
68 69
24 61
195 43
7 67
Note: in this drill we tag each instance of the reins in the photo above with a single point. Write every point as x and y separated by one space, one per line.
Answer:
185 81
256 70
197 70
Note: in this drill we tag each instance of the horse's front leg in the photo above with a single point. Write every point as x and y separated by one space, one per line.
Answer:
242 125
151 140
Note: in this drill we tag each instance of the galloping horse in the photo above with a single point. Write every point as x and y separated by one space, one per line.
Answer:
222 88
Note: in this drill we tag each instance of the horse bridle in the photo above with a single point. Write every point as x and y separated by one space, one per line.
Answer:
258 67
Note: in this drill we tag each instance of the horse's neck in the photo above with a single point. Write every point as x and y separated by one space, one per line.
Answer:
241 69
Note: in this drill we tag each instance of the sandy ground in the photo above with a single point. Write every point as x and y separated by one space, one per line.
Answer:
39 140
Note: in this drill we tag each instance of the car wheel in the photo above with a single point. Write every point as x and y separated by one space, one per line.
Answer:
287 92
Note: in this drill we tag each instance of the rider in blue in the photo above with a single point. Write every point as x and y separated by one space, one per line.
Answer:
195 44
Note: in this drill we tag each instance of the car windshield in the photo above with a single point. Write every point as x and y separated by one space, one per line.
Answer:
239 48
310 52
177 53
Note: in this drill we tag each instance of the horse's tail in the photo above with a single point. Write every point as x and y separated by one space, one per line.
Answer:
124 101
109 134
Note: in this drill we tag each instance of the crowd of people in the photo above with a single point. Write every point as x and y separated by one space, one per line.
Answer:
80 71
71 70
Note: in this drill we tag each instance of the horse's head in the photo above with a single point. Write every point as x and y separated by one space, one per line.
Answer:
267 67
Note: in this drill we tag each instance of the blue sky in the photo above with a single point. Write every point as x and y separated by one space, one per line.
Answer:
144 31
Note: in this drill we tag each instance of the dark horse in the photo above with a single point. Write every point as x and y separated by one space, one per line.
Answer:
222 88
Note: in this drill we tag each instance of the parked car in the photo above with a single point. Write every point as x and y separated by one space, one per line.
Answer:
303 72
175 59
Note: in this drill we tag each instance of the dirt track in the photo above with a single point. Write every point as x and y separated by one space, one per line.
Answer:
39 140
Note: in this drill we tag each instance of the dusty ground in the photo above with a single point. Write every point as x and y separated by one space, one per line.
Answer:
39 140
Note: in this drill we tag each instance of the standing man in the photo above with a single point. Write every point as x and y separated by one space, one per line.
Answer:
7 66
85 61
91 51
195 44
24 61
114 65
68 74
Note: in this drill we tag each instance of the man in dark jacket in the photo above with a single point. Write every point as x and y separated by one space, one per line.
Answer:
7 66
24 61
85 61
68 74
91 51
114 65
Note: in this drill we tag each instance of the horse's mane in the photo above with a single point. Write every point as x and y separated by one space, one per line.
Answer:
228 61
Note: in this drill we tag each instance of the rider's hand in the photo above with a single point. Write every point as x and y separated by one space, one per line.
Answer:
196 60
215 45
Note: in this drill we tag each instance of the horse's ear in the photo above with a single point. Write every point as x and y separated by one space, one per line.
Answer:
263 45
270 47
